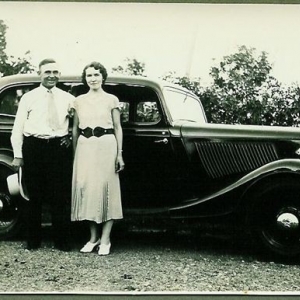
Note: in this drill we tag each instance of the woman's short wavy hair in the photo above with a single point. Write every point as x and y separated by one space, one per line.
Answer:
97 66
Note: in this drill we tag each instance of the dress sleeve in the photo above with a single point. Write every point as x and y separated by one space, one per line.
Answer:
116 103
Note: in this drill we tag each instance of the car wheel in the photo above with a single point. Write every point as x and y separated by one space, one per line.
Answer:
275 218
10 214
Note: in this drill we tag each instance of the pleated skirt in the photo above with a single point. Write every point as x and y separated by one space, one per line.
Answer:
96 194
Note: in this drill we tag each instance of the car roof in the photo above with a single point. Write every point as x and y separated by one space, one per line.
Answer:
114 79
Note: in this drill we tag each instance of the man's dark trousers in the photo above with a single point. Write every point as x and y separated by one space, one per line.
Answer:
47 175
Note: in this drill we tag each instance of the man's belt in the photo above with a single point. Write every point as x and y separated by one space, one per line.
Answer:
97 131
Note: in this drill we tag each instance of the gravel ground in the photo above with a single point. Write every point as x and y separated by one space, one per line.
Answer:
146 262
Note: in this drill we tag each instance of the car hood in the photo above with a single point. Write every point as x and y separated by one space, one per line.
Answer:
215 131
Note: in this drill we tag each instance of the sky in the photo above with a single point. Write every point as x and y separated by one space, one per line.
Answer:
185 38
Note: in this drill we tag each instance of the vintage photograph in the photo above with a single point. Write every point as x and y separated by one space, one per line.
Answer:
149 148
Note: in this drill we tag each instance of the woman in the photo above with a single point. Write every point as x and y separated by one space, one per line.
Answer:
97 144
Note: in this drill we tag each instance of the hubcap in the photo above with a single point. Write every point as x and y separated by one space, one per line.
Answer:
278 221
288 221
8 211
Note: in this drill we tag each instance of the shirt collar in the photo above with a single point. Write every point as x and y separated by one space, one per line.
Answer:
53 90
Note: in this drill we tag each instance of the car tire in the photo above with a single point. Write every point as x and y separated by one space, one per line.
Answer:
11 208
275 218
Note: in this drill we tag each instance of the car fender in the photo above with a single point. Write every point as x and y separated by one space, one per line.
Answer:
291 165
6 158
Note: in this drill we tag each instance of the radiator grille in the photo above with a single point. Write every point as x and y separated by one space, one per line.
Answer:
220 159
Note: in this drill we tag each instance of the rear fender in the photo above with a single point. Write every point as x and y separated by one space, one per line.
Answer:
287 168
251 197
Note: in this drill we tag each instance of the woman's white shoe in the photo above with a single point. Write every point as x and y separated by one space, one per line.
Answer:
89 247
104 249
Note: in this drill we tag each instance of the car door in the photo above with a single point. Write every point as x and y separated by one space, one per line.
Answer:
147 181
149 177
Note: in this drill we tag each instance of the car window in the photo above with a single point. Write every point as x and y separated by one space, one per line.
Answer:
9 101
124 109
139 104
147 112
183 106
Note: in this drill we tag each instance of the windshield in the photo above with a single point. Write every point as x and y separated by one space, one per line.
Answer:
183 106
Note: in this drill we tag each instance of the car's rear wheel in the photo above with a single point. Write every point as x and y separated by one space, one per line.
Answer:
275 218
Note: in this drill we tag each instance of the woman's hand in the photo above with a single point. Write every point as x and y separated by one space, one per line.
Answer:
119 165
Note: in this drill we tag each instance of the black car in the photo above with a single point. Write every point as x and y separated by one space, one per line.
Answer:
180 167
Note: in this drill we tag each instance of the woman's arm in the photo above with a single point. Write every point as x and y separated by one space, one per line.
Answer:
119 137
75 131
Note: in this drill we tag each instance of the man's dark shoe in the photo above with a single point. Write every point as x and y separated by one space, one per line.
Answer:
32 245
63 246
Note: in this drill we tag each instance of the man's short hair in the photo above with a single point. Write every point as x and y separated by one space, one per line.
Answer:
47 61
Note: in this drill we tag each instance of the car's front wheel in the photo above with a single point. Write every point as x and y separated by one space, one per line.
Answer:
275 217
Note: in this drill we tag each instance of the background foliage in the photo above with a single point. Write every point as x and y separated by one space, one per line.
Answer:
10 65
242 91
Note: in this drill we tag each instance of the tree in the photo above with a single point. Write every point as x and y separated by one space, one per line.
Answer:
10 65
132 67
3 56
238 84
292 98
244 92
192 84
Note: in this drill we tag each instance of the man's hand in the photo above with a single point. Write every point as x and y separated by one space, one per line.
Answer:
65 141
17 163
71 112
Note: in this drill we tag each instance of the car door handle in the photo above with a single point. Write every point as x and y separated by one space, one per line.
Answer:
165 141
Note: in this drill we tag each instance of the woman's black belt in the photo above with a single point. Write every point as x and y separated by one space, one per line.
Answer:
97 131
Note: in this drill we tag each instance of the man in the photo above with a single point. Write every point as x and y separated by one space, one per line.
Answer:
41 146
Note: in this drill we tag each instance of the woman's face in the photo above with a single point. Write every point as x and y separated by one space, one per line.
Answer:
93 78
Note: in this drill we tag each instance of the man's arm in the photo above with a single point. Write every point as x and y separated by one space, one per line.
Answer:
17 133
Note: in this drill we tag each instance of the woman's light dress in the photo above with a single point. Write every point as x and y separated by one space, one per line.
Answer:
96 192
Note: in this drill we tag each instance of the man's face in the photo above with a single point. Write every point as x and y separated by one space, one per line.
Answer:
49 74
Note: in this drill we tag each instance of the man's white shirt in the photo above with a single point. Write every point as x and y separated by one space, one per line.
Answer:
32 116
